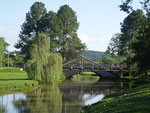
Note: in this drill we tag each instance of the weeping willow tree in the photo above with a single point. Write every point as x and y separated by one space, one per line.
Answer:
45 67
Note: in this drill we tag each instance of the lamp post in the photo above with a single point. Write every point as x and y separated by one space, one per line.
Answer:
8 58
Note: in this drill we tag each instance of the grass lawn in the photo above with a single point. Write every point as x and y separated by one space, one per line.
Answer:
136 100
85 78
14 80
89 73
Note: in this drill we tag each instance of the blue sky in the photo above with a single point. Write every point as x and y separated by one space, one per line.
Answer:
99 19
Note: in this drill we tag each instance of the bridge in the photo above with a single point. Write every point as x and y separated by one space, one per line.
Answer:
83 64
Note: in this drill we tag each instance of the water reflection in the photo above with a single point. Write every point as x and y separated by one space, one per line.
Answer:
68 97
47 99
2 108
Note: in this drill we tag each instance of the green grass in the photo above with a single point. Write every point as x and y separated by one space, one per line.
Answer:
136 100
62 78
14 80
88 73
86 79
10 69
13 75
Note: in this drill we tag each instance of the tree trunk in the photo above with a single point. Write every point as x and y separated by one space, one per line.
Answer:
146 74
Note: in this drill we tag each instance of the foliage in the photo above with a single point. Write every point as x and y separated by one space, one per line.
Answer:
114 46
69 40
50 24
129 28
5 62
132 101
127 7
110 60
45 67
18 59
142 52
61 27
139 24
30 27
75 48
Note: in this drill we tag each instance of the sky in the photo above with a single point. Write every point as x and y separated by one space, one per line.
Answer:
99 19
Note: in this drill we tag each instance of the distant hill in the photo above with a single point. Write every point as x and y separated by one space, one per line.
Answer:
94 54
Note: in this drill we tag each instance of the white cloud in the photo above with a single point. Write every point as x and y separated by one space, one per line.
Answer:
84 38
97 43
2 30
100 44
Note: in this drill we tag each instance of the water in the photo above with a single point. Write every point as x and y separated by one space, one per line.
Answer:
68 97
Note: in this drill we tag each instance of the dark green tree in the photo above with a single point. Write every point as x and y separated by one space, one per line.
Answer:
30 27
127 7
69 26
51 24
140 44
141 48
130 28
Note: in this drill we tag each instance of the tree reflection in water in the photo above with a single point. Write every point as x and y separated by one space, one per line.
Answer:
69 97
2 109
47 99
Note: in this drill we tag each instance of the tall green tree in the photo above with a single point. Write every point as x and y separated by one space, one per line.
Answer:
51 25
75 48
130 28
114 46
141 48
69 27
30 27
140 44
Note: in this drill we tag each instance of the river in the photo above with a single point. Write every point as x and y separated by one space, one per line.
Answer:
68 97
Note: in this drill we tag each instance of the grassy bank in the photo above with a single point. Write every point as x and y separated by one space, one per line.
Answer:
85 78
15 80
136 100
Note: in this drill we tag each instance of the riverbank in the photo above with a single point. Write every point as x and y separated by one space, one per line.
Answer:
15 80
134 100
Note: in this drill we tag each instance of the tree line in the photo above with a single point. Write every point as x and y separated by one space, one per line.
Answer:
61 27
133 43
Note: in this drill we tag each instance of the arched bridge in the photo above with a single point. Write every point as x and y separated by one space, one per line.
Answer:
82 64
